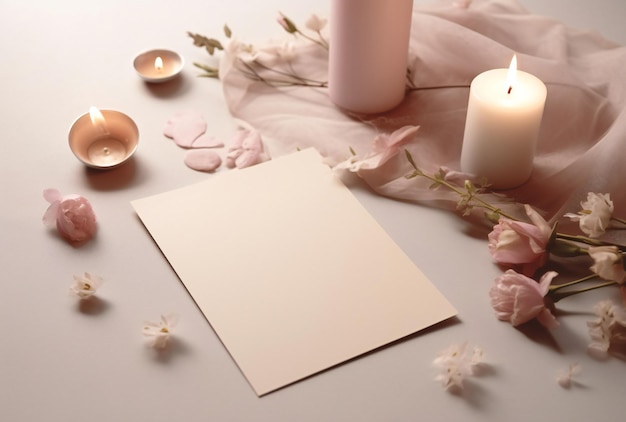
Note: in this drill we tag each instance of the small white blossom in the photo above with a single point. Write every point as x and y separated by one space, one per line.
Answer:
608 329
315 23
595 215
86 285
566 379
608 263
159 333
456 363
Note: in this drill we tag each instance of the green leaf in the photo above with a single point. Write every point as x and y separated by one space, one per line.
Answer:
566 249
492 216
210 44
434 186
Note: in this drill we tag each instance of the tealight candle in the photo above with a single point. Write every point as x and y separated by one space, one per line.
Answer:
157 66
103 139
504 115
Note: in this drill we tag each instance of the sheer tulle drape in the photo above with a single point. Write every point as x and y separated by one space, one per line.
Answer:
582 145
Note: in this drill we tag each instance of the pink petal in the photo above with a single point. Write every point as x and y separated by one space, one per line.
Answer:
51 195
202 159
207 141
185 127
547 319
50 216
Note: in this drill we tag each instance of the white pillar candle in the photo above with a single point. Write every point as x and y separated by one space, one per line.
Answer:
369 44
503 118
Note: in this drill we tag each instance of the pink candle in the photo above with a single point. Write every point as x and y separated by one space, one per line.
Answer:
369 44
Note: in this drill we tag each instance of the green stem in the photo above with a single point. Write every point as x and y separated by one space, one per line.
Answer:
619 220
558 296
587 240
572 283
321 42
462 193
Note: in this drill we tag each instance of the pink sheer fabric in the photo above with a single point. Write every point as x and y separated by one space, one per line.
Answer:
582 142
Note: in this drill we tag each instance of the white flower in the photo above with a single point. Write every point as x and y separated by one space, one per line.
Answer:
159 332
315 23
456 363
608 330
608 263
566 379
595 215
86 285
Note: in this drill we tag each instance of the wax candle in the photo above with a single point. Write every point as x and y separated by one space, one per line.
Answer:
369 44
158 66
103 139
504 115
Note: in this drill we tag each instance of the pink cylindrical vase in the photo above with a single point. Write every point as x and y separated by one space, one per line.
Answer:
369 45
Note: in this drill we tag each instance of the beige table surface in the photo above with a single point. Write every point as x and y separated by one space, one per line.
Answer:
62 363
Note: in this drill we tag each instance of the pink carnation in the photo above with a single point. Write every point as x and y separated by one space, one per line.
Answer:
518 243
518 299
72 215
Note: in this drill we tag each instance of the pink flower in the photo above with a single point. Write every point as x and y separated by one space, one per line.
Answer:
595 216
384 147
286 23
72 214
608 263
315 23
525 244
246 150
518 299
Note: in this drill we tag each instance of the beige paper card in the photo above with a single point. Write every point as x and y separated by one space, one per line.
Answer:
290 270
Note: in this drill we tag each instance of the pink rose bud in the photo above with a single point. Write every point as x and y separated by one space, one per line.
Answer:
517 299
72 215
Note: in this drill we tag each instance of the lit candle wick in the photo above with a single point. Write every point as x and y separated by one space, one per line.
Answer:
97 120
511 77
158 63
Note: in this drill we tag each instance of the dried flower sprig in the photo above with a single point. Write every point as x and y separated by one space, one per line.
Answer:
313 23
271 64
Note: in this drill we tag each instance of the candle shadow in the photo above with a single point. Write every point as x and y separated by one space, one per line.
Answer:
112 179
168 89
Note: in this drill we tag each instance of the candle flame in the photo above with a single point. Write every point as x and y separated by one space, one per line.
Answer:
96 116
511 78
97 119
158 63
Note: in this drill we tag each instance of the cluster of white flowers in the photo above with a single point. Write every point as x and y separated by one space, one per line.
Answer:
595 215
608 330
456 363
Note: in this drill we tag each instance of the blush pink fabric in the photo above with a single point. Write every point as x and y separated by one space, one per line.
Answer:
582 145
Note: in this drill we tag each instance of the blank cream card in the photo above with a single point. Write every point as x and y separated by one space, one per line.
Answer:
290 270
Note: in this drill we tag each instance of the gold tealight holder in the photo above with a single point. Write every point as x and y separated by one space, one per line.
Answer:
103 139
